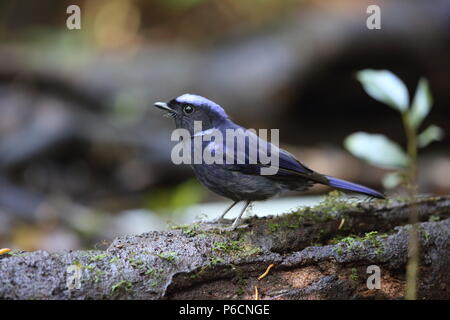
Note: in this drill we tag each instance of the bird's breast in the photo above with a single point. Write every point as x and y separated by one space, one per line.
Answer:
235 185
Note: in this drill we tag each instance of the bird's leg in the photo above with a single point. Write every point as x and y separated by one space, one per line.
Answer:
236 221
225 212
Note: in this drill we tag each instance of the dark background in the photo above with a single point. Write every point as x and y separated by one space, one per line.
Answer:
80 145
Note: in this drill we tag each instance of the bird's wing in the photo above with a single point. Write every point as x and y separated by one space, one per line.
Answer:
250 163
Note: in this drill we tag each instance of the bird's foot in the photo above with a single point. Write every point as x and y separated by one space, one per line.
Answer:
234 227
223 225
230 228
218 220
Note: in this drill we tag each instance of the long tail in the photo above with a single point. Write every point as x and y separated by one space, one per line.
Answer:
350 186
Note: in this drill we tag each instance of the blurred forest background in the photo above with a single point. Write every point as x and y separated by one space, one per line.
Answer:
85 157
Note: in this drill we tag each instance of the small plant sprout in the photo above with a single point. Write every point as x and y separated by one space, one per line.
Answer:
379 150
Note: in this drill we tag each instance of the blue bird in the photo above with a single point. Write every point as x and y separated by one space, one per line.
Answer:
243 180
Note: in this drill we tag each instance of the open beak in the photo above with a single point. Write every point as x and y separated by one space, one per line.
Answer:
163 106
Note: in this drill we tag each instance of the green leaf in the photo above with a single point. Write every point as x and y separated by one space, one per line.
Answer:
421 104
391 180
430 134
376 149
385 87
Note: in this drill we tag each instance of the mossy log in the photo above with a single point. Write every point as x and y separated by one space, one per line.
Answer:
317 253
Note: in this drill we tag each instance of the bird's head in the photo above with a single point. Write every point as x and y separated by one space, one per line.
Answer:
188 108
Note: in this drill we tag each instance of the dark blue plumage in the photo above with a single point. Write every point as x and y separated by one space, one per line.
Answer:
350 186
244 181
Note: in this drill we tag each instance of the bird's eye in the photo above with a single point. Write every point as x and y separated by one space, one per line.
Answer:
188 109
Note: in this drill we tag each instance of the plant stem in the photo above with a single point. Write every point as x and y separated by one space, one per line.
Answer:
412 268
411 137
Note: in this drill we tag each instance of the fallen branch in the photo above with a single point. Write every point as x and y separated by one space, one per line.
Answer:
313 254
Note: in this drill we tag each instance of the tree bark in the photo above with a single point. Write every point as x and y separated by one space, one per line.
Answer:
311 258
